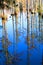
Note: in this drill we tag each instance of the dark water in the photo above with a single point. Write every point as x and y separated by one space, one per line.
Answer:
14 49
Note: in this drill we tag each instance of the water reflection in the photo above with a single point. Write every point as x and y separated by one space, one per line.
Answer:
14 42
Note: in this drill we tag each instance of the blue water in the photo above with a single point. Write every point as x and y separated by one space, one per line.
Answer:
17 49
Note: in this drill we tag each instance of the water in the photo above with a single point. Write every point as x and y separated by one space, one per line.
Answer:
13 45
